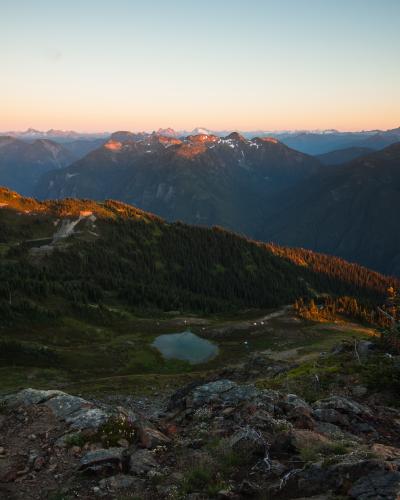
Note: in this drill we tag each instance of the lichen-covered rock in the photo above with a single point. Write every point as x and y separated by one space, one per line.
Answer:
63 405
341 404
248 442
77 412
28 397
91 418
228 393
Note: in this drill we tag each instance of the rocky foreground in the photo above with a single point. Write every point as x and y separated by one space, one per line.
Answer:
212 440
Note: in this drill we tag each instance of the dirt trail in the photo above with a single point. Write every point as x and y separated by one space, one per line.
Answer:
66 228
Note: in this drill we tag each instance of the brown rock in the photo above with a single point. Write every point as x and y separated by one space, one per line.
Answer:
385 452
150 438
302 438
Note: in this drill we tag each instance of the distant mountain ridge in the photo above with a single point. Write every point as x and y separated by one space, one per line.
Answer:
316 143
339 156
312 142
350 210
203 179
55 135
22 163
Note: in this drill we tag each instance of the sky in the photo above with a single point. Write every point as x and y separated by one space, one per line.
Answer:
95 65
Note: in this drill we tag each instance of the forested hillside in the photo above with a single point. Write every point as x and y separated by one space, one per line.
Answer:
118 255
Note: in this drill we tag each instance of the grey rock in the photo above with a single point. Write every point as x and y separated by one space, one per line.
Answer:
64 405
365 348
333 431
28 397
142 461
150 438
294 402
76 411
330 415
92 418
226 392
342 404
102 456
359 391
378 485
318 478
248 442
117 482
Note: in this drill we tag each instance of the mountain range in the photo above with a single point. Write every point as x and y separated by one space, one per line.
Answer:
350 210
22 163
55 135
343 202
313 142
202 179
340 156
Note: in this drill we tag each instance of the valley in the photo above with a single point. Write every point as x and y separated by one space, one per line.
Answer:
286 387
86 358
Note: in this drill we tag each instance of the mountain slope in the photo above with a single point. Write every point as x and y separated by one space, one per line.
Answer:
22 163
324 142
350 211
202 179
339 156
59 257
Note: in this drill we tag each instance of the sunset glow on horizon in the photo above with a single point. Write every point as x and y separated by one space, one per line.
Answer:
95 66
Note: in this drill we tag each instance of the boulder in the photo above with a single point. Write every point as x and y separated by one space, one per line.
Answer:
28 397
341 404
385 452
365 348
333 431
104 460
63 405
318 478
151 438
220 391
302 438
117 482
227 393
359 391
141 462
331 416
378 485
91 418
248 443
293 402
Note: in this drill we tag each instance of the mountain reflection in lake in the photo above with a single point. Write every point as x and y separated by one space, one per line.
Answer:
186 346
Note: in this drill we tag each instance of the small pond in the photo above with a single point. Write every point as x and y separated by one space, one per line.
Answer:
186 346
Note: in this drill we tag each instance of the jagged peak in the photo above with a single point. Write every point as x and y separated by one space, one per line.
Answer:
270 140
113 145
164 139
167 132
202 138
235 136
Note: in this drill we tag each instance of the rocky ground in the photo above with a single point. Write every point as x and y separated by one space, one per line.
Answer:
220 438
